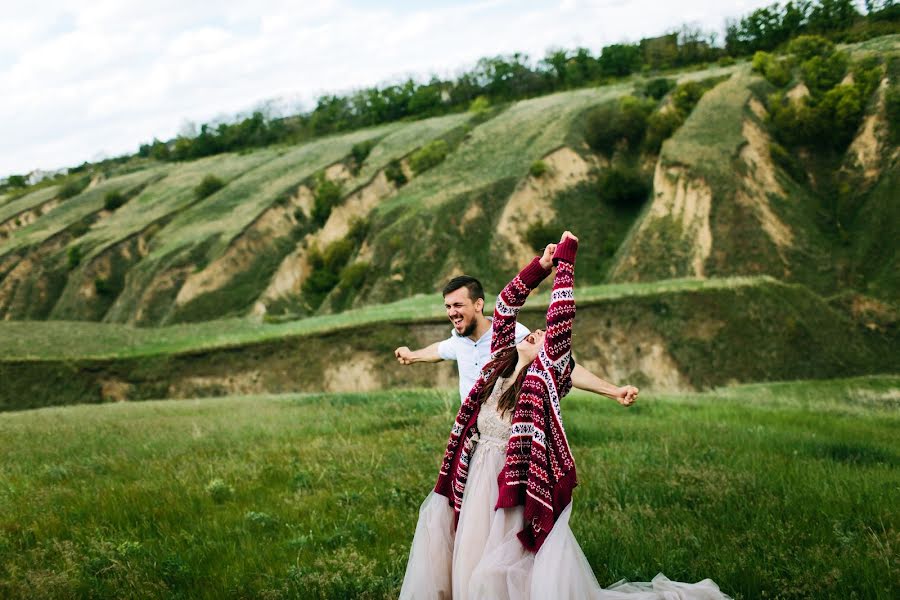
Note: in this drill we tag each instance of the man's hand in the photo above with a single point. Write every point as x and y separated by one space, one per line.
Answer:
546 259
404 355
626 395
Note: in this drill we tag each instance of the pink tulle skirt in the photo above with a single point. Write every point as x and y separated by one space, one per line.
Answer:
484 559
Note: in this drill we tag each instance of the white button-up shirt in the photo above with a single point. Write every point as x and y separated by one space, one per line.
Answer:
471 356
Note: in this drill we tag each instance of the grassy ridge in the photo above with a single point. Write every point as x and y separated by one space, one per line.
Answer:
54 340
682 335
11 207
784 490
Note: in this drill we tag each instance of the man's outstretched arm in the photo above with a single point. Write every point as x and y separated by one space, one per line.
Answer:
428 354
588 382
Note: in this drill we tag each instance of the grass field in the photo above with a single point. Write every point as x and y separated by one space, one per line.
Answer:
776 490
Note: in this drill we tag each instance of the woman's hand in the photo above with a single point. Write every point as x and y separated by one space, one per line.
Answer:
546 259
567 234
626 395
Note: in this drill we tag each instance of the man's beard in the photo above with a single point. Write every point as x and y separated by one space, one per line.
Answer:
470 328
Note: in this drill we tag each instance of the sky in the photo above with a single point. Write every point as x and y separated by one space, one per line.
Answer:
87 80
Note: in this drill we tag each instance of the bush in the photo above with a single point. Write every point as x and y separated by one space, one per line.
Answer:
430 155
394 173
106 287
479 105
539 234
359 229
113 200
360 152
73 256
831 121
327 196
823 73
353 276
892 107
726 61
788 162
73 187
686 96
79 228
659 87
537 169
610 124
326 266
776 71
208 185
660 127
805 47
623 186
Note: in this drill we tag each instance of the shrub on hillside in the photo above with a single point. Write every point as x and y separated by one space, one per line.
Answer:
359 152
659 87
208 185
822 73
326 268
831 121
805 47
430 155
73 187
327 196
892 107
537 169
612 124
73 256
777 72
726 61
539 234
787 161
660 127
623 186
479 105
686 96
394 173
359 229
113 200
352 276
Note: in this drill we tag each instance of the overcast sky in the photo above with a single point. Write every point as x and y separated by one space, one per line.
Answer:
87 79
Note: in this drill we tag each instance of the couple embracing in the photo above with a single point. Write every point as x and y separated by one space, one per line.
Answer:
496 524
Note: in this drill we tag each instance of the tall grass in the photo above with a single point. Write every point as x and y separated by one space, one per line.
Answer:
776 490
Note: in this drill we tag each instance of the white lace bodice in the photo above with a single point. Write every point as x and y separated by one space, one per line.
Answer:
493 428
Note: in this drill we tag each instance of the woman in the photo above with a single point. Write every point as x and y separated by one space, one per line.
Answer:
496 524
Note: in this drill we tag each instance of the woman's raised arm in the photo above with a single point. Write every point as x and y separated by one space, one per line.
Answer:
561 312
513 297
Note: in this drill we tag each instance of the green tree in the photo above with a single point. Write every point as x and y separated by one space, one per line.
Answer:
619 60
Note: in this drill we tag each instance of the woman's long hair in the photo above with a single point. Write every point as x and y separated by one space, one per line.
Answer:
503 366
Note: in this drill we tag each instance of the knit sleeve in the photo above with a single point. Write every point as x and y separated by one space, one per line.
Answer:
561 312
510 301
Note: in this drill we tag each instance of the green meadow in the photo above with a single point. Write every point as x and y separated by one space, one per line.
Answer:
786 490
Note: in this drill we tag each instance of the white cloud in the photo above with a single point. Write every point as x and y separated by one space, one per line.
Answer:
82 78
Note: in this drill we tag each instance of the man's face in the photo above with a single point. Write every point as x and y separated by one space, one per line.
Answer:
462 311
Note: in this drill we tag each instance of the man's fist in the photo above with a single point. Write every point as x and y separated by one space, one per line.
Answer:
404 355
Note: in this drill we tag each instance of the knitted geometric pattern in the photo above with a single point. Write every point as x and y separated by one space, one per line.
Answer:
539 472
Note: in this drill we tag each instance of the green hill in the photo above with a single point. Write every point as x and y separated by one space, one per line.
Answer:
364 219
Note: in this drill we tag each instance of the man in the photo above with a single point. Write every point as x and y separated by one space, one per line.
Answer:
470 344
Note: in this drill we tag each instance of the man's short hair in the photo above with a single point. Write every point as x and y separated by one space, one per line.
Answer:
470 283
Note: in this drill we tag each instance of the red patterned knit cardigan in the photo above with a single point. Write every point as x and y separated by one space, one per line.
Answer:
539 472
